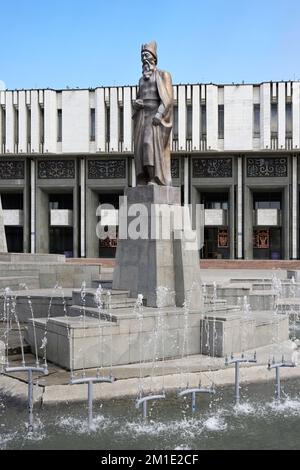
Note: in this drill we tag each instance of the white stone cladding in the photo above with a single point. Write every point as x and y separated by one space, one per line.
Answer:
181 118
10 123
281 115
238 117
50 123
23 116
196 117
35 122
127 106
75 121
100 120
296 115
212 117
114 121
29 119
265 116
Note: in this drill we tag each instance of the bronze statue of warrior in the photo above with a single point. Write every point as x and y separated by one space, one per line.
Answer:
153 115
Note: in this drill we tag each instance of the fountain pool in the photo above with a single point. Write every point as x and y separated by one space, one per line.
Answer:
258 423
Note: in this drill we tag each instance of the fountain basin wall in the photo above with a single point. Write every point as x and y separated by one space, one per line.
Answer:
234 334
45 271
258 299
85 342
75 343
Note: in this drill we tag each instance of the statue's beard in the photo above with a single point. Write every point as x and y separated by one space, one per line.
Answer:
148 69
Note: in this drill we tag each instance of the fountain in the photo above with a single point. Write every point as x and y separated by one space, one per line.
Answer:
99 312
277 366
159 330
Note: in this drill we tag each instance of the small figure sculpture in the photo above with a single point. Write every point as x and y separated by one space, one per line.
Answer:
153 121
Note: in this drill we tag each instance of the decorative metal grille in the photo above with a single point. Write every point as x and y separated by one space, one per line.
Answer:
56 169
267 167
12 169
175 167
212 167
102 169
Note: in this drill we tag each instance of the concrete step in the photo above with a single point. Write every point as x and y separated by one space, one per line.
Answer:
16 282
221 308
106 284
76 311
14 342
9 271
32 258
121 296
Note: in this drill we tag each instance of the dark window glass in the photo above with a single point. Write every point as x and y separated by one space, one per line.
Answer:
59 125
61 201
29 126
274 120
288 120
221 121
93 125
215 200
42 124
175 123
16 126
107 123
203 121
3 125
256 120
121 124
267 201
189 117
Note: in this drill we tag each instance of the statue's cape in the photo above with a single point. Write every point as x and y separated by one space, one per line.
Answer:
161 132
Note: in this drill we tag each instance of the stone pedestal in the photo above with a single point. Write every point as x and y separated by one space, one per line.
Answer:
153 257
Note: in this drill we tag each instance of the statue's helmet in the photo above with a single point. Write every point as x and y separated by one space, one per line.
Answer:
150 47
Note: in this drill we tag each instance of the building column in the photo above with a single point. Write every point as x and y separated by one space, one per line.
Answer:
26 209
75 220
32 205
196 197
232 223
82 208
286 223
186 186
42 221
92 241
239 237
3 242
294 224
248 224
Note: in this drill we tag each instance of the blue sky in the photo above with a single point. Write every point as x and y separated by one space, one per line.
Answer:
76 43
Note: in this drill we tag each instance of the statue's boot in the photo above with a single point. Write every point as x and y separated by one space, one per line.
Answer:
151 174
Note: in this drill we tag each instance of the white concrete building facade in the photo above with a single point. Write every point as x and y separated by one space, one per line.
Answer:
235 148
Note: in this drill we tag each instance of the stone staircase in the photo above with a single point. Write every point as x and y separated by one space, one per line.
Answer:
117 301
17 282
45 271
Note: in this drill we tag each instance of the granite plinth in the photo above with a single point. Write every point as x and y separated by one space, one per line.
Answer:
87 342
157 256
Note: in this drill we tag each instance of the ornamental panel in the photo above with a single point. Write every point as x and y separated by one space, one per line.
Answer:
223 238
12 169
56 169
106 169
212 168
175 167
274 167
261 238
